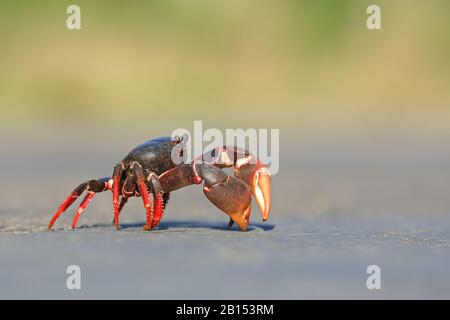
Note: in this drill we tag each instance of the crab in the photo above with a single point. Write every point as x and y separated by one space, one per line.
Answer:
150 170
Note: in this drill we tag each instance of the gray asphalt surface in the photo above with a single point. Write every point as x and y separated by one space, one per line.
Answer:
335 212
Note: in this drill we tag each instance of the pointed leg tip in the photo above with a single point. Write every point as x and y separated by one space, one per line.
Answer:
154 225
147 227
74 223
51 223
116 224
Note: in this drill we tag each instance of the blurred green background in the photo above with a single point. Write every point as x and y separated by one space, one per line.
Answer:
301 66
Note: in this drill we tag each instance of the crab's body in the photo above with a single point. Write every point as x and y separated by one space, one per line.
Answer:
150 169
153 155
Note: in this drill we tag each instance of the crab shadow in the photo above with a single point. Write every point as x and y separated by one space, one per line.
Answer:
194 224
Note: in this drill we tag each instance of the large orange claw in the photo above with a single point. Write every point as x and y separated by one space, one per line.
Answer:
257 177
261 191
233 197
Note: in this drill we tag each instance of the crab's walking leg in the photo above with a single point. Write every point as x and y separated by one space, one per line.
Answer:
117 175
128 190
143 190
158 210
63 207
94 186
157 198
83 206
123 202
160 204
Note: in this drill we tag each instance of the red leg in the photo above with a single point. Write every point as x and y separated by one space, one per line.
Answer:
94 186
158 210
128 189
83 206
69 200
147 204
160 199
123 201
143 190
117 175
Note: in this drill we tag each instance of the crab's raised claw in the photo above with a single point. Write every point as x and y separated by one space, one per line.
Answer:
229 194
257 177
